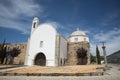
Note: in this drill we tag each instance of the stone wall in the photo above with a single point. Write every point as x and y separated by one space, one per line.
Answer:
71 52
72 55
20 59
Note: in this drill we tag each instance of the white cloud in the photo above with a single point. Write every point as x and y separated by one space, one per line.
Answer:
18 12
107 36
15 25
112 39
27 7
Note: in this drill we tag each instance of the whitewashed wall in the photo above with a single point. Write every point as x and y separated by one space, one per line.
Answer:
63 50
47 34
80 38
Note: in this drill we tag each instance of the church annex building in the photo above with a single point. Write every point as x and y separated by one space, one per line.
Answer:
46 47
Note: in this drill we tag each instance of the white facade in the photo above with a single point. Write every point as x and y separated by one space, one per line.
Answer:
78 36
44 39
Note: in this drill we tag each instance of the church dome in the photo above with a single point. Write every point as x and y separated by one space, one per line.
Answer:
78 36
78 33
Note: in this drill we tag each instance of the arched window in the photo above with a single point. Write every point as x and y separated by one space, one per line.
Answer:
76 39
84 39
34 24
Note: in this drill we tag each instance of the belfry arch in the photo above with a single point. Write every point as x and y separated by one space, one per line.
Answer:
40 59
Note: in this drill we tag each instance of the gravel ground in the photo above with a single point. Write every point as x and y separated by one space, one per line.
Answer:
60 78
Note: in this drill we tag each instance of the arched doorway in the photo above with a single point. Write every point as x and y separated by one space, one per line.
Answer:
82 56
40 59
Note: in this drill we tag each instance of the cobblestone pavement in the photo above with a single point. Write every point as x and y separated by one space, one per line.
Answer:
112 74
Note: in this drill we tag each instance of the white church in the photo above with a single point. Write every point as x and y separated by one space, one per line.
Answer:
48 48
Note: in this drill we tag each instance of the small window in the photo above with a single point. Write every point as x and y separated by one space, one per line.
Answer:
76 39
84 39
34 24
41 43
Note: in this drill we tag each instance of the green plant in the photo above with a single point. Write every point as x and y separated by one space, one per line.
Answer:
92 58
2 51
98 58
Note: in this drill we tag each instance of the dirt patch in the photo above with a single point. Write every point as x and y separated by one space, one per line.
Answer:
61 69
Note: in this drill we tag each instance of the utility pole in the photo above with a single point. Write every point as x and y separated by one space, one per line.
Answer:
104 53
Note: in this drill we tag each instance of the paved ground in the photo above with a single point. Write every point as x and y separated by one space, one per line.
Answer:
112 74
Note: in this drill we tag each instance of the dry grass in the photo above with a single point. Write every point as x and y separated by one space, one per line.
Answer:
63 69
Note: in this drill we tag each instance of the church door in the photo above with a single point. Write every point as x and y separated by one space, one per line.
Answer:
82 56
40 59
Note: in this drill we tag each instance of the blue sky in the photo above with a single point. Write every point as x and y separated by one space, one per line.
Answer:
100 19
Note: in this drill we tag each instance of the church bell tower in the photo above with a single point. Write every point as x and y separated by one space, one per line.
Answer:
35 24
